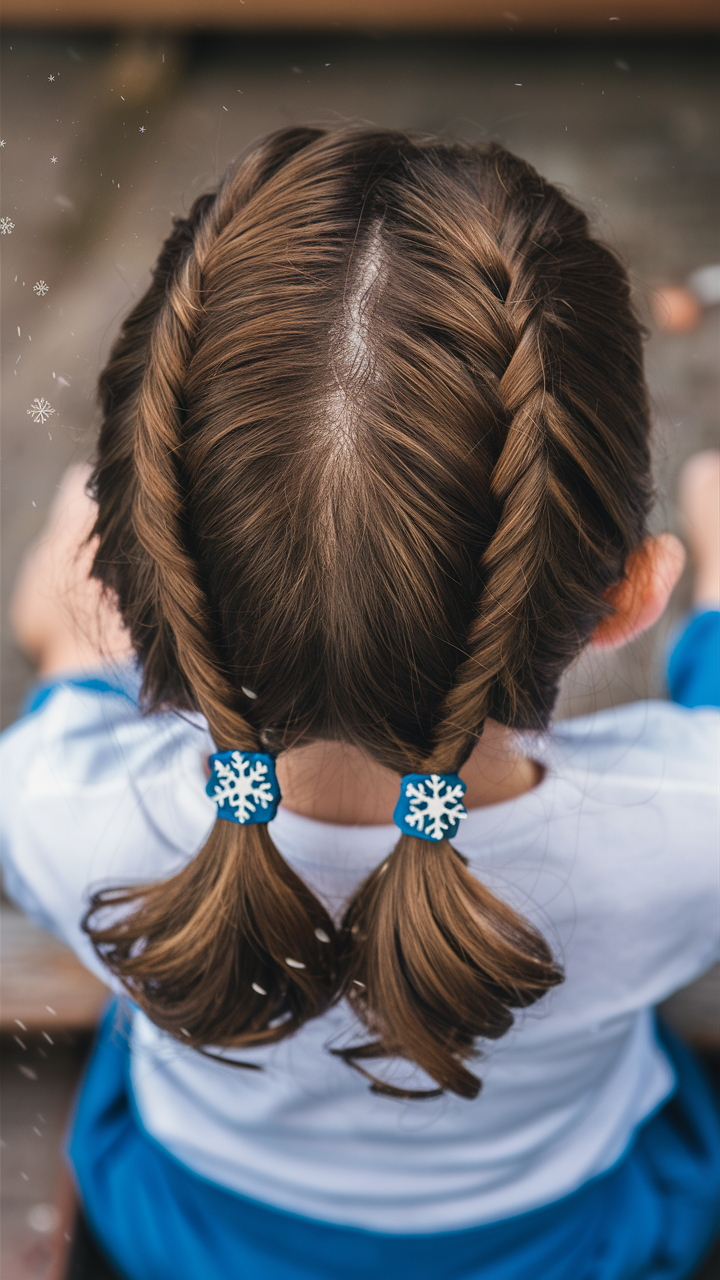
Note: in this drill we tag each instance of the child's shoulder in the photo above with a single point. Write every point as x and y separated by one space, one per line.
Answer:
636 810
644 740
82 726
92 783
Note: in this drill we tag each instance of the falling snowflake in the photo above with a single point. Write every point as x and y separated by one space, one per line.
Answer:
141 129
242 786
41 288
435 806
53 159
40 409
51 78
6 227
2 142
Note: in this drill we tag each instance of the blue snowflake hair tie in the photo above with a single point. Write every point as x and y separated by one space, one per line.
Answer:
244 786
430 805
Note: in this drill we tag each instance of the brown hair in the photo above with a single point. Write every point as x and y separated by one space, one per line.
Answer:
375 446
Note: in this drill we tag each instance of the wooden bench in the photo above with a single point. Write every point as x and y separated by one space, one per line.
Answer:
375 15
42 983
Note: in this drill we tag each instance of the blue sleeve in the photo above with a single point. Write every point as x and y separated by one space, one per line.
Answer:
693 670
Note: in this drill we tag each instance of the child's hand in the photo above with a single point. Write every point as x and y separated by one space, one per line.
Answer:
59 615
699 503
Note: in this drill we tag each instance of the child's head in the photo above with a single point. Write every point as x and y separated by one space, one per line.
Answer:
375 449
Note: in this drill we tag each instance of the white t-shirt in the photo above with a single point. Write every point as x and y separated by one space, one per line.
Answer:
613 856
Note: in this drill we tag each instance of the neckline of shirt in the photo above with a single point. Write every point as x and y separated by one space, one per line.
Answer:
503 823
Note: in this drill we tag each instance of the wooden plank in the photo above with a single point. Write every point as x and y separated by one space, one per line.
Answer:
378 15
40 975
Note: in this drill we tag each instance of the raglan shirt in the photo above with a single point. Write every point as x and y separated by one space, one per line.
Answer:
613 856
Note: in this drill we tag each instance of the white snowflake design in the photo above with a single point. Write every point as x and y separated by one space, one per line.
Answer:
434 806
41 288
242 786
40 409
6 227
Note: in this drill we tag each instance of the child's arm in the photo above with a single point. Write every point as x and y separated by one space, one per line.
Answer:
693 664
89 784
60 616
699 503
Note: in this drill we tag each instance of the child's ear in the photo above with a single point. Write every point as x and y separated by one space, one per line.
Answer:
638 601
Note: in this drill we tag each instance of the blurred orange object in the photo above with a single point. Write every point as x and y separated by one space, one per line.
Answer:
676 309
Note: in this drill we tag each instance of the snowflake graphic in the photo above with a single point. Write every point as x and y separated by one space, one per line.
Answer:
41 288
53 159
40 410
242 786
51 78
141 129
434 806
6 227
2 142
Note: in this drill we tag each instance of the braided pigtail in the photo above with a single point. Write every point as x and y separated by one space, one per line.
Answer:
236 926
438 960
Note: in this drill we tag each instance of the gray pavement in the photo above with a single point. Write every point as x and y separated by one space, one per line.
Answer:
138 128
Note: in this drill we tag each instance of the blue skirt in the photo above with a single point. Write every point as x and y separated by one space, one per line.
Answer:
651 1217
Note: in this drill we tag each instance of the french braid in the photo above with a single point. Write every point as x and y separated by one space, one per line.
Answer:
238 889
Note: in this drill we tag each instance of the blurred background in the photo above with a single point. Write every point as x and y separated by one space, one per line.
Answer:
117 113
